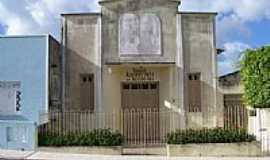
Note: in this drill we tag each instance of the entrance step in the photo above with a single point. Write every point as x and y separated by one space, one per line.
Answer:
158 151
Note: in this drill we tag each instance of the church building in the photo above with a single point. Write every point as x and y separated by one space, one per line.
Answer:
144 57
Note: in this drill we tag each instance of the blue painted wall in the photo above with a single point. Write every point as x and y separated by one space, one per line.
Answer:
25 59
25 140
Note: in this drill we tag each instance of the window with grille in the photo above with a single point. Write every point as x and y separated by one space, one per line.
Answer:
87 92
18 101
194 92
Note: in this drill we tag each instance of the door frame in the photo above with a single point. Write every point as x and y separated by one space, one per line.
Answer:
142 142
130 82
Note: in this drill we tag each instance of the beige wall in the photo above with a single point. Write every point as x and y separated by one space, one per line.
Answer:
54 74
198 38
164 74
114 75
188 46
81 41
112 11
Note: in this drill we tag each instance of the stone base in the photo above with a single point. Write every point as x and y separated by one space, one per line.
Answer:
157 151
84 150
216 150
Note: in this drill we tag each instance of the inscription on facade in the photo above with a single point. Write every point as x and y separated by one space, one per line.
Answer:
139 34
140 74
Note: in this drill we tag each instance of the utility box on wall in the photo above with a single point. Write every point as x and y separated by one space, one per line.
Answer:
29 69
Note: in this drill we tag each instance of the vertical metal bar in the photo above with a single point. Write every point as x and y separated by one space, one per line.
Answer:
129 125
68 121
237 116
58 124
148 127
230 117
144 120
104 121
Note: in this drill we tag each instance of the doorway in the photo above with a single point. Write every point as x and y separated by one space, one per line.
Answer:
140 106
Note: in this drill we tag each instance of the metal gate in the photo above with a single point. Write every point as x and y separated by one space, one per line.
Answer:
140 105
235 113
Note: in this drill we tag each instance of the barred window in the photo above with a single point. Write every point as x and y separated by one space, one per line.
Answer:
18 101
87 92
194 92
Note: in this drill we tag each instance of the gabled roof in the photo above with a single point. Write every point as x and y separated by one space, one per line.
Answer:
230 79
237 72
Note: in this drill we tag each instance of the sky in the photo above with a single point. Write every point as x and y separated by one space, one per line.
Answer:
240 24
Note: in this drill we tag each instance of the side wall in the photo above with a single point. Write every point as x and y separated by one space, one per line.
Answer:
55 70
198 38
81 42
25 59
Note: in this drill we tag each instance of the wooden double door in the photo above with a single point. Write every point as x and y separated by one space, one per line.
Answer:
140 107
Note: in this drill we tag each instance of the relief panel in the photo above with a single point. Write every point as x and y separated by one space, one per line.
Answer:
139 34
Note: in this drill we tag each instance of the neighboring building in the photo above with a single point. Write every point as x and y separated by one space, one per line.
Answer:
29 70
237 114
231 83
231 93
142 55
231 89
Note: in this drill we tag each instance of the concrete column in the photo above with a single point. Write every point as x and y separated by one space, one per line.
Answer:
180 72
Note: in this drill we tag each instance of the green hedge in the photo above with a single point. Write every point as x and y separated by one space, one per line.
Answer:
255 76
217 135
99 137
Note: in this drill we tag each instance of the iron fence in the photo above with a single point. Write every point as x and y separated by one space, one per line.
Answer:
138 126
150 126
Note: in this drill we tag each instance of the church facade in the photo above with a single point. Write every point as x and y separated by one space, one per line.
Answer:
142 56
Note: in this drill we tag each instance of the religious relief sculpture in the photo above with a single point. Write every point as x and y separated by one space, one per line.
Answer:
140 35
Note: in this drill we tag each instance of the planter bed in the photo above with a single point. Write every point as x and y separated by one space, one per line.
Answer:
215 149
114 150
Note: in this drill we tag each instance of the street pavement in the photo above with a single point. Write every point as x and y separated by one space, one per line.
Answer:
20 155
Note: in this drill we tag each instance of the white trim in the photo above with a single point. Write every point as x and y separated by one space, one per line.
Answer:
214 64
181 71
98 77
63 61
47 75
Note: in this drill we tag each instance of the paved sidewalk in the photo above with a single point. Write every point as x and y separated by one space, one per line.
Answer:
59 156
5 154
10 154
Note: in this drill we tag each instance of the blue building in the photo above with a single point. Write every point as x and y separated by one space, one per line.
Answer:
29 69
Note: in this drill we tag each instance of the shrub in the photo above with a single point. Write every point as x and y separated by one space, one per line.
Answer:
98 137
217 135
255 74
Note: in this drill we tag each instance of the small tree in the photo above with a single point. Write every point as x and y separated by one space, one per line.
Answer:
255 73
